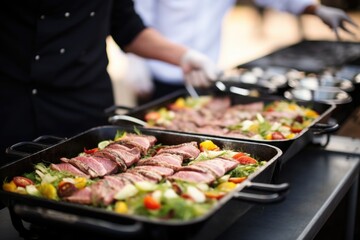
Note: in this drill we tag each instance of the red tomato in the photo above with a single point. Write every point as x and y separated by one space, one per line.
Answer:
269 109
238 155
90 151
299 119
295 130
22 181
277 136
246 160
237 179
151 203
215 195
186 196
66 189
152 116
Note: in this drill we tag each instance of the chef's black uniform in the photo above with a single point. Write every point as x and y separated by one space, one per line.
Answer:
53 77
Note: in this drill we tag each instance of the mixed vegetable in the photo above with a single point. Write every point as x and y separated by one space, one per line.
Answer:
277 120
164 200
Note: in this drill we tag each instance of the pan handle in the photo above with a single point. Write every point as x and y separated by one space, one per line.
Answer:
34 146
38 144
40 214
274 193
49 140
259 198
324 128
114 119
269 187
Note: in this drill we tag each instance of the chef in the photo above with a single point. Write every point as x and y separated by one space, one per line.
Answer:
53 63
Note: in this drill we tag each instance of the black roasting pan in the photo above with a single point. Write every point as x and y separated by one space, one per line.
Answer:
290 147
62 214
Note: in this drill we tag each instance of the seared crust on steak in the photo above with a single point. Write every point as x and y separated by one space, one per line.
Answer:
69 168
192 176
113 156
142 142
148 174
187 150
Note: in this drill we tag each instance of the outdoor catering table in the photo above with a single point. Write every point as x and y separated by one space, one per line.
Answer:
323 180
319 178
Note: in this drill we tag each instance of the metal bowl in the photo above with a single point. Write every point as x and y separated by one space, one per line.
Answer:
271 77
329 95
314 82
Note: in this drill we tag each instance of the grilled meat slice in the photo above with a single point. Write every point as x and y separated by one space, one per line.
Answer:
110 166
69 168
113 156
187 150
142 142
88 165
103 192
215 166
163 171
146 173
129 155
163 160
192 176
134 177
198 168
82 196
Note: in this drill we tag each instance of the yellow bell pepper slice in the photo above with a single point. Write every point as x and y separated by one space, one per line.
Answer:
121 207
9 187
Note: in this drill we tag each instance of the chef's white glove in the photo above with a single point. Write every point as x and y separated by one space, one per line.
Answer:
334 18
138 76
198 69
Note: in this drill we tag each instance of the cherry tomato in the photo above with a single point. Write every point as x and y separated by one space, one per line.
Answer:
238 155
237 179
244 160
22 181
186 196
152 116
269 109
215 195
277 136
295 130
151 203
66 189
297 127
90 151
299 119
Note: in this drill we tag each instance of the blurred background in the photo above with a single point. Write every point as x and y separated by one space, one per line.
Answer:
248 33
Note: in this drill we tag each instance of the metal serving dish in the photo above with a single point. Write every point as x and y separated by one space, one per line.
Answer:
52 213
289 146
329 95
270 78
314 82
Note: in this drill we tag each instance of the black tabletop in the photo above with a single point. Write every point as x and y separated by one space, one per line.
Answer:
319 179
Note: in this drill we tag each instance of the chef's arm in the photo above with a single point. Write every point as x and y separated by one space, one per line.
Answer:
130 33
198 69
333 17
151 44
